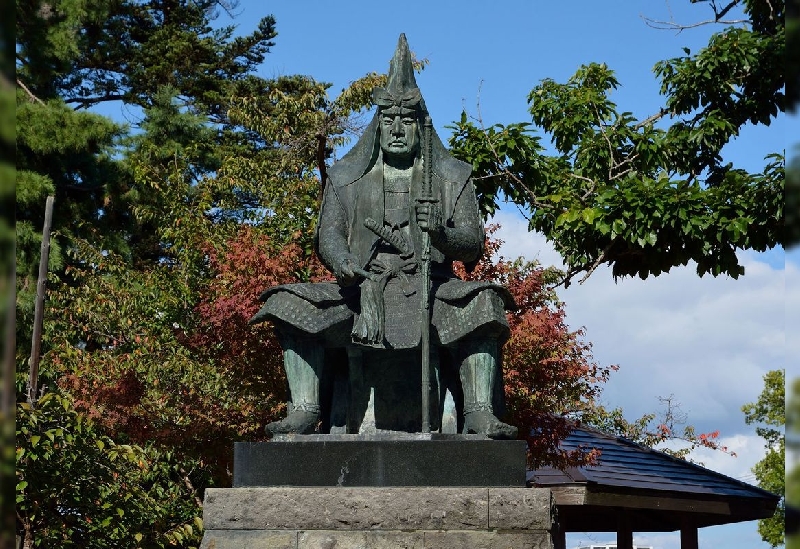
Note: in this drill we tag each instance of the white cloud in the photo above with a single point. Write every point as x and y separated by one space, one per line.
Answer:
518 242
707 341
792 312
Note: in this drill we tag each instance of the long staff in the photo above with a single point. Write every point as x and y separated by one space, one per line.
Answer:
426 198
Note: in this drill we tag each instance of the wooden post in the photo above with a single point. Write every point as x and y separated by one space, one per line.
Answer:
559 538
624 532
689 537
36 343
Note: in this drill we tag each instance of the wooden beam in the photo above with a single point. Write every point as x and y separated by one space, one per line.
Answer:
660 502
569 495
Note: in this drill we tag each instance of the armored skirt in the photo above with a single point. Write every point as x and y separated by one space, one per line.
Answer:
327 312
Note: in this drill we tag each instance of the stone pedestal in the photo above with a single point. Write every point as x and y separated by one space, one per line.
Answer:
398 459
379 492
377 518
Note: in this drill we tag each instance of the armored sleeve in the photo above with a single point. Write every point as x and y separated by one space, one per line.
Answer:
332 232
461 237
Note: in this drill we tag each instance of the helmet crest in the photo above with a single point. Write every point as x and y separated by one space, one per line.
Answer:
401 89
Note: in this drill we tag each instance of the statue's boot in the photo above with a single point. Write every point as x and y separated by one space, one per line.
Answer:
301 422
478 374
483 422
303 361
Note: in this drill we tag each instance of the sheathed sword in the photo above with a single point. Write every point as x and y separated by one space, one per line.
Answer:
425 309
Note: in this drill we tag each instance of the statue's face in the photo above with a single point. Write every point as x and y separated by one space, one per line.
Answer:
399 135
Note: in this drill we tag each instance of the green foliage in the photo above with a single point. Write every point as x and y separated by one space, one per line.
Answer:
117 494
792 466
792 54
118 341
163 56
7 191
633 193
769 414
65 51
134 215
792 197
66 154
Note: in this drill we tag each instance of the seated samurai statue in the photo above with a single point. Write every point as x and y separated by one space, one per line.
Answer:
370 235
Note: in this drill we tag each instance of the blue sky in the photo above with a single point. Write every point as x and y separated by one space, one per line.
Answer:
706 341
498 54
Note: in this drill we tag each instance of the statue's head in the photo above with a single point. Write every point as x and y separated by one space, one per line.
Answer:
400 106
397 127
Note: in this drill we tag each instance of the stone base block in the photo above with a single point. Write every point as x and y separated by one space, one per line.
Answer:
377 518
391 460
382 539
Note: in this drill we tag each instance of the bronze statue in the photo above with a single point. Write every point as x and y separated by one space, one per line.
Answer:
397 190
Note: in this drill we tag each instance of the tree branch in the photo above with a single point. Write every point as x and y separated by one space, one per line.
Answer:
630 158
322 140
600 125
27 542
597 261
86 102
671 25
30 94
725 10
592 185
503 169
650 119
188 484
718 18
571 272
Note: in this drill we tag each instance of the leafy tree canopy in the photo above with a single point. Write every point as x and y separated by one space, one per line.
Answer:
647 195
117 494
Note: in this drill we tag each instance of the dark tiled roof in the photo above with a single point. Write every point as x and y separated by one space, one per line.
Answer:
625 464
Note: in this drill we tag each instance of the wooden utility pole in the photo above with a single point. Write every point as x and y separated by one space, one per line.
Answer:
7 394
36 342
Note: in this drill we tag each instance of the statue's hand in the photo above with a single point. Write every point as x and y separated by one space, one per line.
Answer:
346 275
429 216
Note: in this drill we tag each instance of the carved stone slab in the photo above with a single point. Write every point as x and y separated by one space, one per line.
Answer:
346 508
377 518
322 539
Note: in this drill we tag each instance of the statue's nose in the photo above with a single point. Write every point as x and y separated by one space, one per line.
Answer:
397 126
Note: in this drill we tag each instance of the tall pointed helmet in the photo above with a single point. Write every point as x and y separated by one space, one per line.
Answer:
401 89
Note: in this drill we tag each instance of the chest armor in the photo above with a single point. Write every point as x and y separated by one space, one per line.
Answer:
396 196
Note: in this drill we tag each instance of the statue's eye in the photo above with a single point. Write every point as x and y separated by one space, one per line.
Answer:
408 121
